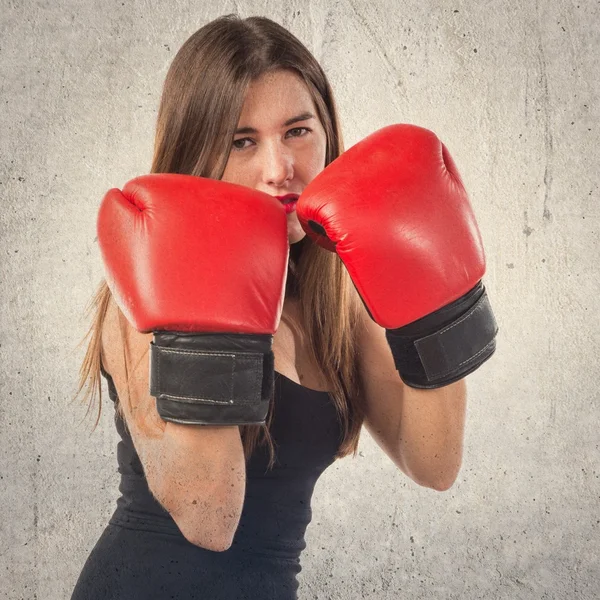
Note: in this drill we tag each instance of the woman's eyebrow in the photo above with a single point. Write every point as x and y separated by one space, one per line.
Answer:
303 117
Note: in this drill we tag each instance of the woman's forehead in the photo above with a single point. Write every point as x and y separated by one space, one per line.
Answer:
276 97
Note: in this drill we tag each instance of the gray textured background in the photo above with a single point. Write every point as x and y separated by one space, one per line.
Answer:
512 89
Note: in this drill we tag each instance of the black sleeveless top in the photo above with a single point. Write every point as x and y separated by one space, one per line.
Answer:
142 553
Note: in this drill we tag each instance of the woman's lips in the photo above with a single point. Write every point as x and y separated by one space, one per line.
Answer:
287 198
289 202
290 207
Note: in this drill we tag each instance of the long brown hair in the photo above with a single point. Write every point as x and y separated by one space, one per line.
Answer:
200 106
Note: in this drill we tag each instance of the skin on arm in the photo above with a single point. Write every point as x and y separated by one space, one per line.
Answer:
421 430
196 472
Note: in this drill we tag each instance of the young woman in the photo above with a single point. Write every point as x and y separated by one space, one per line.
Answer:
213 506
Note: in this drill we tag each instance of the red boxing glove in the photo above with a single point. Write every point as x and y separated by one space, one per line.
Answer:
395 210
202 264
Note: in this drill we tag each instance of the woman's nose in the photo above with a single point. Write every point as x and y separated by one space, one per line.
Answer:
278 165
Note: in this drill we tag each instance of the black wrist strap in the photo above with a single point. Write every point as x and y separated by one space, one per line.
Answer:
211 379
447 345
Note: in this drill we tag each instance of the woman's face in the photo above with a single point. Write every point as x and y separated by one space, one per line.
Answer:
279 145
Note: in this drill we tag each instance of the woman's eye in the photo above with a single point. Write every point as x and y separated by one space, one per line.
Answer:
295 131
239 144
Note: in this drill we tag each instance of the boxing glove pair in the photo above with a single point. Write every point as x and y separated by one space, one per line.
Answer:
202 264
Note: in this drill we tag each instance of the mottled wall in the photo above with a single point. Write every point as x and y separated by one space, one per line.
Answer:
512 90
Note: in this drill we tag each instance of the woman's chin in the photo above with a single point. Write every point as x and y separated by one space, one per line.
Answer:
295 233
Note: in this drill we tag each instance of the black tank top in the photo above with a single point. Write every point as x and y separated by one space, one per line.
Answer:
277 507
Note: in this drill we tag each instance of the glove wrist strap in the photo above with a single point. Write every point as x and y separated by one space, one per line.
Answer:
447 345
212 379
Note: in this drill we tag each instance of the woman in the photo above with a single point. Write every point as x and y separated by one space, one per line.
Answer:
141 553
246 103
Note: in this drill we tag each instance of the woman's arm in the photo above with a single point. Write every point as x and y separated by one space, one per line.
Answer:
196 472
421 430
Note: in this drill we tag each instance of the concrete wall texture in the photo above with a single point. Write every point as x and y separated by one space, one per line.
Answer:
512 89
